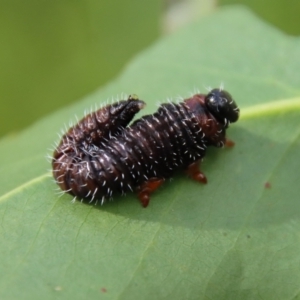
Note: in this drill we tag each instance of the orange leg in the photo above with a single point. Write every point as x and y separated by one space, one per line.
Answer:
229 143
147 188
193 170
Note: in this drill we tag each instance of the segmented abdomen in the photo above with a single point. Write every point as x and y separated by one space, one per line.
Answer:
97 158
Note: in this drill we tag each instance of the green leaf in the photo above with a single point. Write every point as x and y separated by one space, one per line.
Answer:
53 52
284 16
238 237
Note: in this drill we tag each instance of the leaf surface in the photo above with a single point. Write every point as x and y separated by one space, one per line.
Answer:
238 237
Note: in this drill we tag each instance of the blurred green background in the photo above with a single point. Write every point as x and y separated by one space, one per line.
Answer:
54 52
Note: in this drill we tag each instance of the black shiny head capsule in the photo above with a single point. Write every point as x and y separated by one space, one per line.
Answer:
222 106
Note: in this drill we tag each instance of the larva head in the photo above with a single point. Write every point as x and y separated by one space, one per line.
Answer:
221 105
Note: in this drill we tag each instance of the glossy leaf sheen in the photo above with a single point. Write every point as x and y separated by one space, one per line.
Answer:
238 237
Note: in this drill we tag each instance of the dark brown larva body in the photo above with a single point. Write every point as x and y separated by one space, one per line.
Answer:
102 155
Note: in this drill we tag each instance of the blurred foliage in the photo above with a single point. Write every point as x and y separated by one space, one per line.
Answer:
178 13
53 52
280 13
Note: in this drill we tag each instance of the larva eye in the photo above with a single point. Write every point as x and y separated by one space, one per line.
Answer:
221 105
